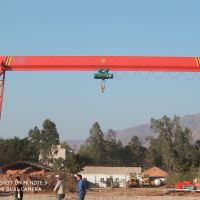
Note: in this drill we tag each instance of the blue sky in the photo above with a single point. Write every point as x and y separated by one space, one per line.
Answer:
115 27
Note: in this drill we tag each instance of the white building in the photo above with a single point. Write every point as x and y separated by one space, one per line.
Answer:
99 174
59 151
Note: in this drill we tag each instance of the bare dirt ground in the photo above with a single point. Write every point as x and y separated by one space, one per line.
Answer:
117 194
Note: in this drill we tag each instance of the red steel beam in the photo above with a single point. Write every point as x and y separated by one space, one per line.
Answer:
2 81
92 63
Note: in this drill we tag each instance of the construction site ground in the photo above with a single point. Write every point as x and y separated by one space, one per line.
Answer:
118 194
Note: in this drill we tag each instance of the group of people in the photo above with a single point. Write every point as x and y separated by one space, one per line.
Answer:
59 188
80 188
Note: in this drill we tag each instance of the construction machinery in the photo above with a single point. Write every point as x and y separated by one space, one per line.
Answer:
133 181
145 181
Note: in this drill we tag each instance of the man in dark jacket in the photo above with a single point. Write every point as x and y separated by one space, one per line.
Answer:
81 188
18 189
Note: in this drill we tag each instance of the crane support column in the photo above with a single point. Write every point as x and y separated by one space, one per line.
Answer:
2 81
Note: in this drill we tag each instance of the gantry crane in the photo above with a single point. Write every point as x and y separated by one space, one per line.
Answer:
101 64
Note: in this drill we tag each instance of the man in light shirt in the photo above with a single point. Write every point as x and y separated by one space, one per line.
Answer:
59 188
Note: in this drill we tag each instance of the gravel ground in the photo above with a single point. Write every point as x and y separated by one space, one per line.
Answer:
118 194
45 197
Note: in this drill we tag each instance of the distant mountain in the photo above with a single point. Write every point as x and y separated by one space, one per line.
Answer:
144 131
75 144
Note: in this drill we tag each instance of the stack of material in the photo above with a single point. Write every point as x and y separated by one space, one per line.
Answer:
35 177
38 173
11 172
197 186
154 172
23 171
26 170
184 185
45 182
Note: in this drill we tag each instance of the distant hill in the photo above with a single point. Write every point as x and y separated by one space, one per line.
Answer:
144 131
75 144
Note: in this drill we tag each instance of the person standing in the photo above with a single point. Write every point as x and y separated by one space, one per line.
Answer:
18 189
81 188
59 188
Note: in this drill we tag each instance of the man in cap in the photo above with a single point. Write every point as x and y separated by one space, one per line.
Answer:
59 188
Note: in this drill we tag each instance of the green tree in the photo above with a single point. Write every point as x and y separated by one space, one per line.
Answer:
94 147
15 149
154 156
49 140
183 148
71 164
35 137
164 129
196 154
113 148
172 145
136 151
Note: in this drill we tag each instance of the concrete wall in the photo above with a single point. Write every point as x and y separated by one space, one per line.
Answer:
57 153
97 178
99 175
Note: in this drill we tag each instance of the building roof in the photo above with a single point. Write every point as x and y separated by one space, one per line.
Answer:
24 164
110 170
155 172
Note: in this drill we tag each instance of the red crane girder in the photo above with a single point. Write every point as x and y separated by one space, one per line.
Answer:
92 63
